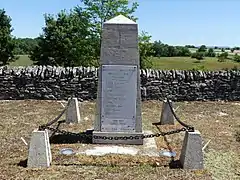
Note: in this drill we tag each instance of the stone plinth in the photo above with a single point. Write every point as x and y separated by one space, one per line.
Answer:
166 115
72 113
39 154
192 155
119 96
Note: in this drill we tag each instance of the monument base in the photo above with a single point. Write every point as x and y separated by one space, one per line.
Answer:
111 138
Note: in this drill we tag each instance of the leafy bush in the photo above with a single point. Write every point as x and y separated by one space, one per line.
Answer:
236 58
210 53
145 50
198 55
222 57
7 43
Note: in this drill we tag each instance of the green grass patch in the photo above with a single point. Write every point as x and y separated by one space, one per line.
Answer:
187 63
167 63
23 60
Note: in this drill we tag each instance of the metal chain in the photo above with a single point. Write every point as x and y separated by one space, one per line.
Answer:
188 127
56 130
117 137
42 127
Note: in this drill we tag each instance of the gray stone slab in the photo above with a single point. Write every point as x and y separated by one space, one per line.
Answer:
192 155
149 148
39 154
119 47
166 114
73 113
119 91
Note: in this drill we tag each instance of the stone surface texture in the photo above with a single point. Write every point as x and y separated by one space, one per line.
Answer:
50 82
192 155
149 148
72 112
166 114
39 154
119 47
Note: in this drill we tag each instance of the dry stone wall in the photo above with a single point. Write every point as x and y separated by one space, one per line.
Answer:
46 83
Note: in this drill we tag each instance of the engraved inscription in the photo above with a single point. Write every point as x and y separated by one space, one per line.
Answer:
119 93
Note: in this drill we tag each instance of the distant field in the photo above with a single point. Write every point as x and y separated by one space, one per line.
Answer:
23 60
217 51
166 63
187 63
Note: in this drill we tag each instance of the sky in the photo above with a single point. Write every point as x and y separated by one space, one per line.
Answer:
174 22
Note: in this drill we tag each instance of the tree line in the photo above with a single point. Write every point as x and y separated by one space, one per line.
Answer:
73 38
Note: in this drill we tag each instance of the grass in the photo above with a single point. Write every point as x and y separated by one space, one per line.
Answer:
166 63
19 118
187 63
23 60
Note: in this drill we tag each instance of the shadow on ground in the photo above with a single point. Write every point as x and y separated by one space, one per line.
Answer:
23 163
71 138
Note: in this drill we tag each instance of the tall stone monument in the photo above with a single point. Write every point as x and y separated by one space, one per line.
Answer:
118 119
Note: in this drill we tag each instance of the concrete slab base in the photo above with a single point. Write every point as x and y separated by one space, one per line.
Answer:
192 155
39 154
148 148
73 113
99 138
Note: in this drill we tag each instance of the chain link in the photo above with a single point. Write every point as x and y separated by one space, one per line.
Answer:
84 135
115 137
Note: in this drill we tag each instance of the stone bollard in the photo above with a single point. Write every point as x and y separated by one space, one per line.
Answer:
39 154
72 112
192 155
166 115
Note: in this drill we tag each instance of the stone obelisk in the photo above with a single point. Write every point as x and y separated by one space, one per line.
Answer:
118 118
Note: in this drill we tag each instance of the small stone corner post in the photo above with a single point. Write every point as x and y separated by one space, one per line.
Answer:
166 114
39 153
72 112
119 97
192 155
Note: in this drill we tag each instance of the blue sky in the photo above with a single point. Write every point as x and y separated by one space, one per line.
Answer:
175 22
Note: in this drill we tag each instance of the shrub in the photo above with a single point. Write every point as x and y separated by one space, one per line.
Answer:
222 57
236 58
198 55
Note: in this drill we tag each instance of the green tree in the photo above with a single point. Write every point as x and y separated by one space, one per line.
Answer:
198 55
172 51
7 43
190 46
183 51
25 45
210 53
222 57
236 58
103 10
202 48
145 50
157 48
66 41
75 39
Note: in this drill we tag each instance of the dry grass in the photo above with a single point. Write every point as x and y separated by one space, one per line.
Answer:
19 118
